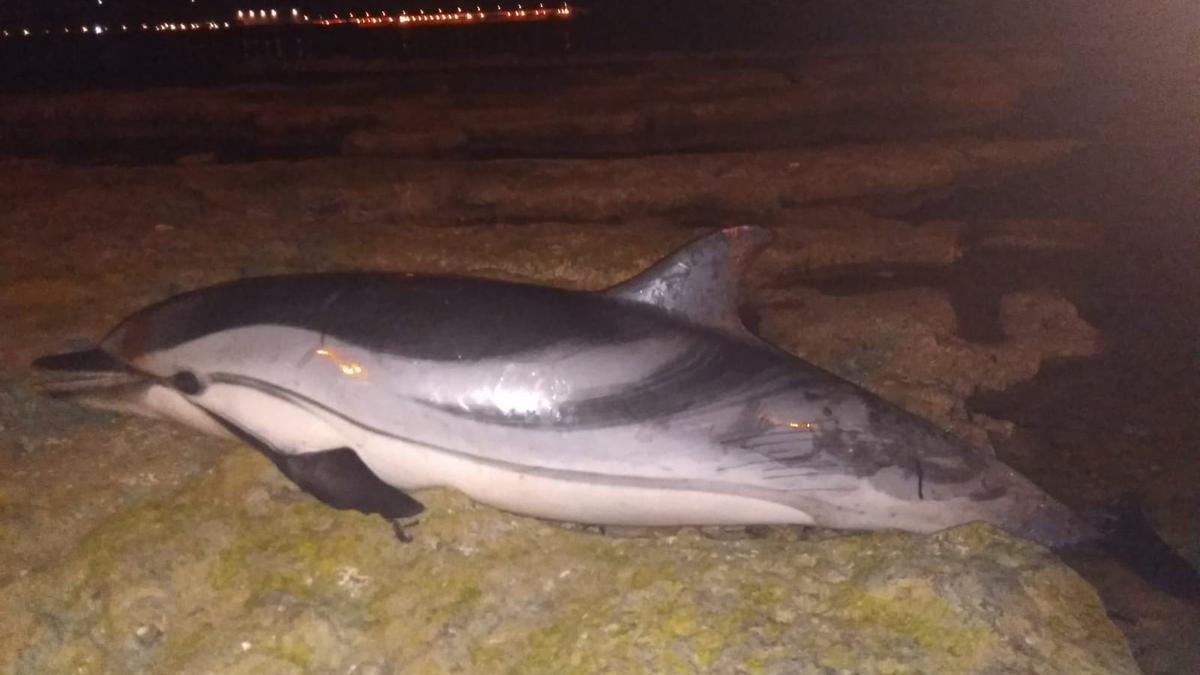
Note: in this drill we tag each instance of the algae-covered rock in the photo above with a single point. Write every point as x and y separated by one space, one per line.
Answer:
235 572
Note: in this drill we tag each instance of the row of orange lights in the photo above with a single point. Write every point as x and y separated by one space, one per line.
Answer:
123 28
250 17
452 17
420 17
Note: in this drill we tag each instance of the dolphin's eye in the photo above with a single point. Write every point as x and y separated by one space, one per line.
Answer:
186 382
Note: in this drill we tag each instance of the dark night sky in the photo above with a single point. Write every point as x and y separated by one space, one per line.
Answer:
732 22
70 12
727 14
90 10
56 12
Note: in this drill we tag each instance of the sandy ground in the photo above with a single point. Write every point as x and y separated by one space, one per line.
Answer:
970 244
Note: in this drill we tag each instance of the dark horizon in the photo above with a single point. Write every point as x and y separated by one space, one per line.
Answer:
669 20
73 43
32 10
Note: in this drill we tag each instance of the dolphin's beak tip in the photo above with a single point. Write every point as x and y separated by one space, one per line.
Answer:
43 362
81 374
88 360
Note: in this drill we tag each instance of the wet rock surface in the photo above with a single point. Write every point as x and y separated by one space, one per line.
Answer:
584 105
132 546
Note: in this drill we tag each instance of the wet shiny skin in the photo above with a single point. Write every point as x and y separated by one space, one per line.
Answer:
633 406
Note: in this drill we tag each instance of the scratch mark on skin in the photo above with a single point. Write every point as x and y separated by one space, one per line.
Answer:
920 480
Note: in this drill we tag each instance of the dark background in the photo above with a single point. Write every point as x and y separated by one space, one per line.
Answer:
134 59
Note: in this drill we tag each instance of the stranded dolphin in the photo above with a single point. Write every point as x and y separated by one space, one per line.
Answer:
644 404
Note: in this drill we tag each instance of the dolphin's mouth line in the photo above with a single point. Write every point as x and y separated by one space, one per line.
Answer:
87 373
789 498
90 384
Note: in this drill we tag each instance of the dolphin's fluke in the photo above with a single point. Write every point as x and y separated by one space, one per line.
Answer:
699 282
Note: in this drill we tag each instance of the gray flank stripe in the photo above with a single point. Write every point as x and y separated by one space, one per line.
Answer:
803 499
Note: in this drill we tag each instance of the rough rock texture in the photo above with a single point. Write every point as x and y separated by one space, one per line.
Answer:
711 186
562 107
810 238
1042 234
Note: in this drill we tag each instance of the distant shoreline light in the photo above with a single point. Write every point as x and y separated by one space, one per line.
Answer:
259 17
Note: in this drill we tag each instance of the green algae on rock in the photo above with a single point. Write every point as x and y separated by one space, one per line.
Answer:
205 580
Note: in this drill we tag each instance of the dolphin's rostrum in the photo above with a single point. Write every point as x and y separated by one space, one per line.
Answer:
645 404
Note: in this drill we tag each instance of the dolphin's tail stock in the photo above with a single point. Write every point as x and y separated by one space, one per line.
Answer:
1127 537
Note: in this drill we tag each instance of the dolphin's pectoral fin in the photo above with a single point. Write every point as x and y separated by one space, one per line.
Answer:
341 480
337 477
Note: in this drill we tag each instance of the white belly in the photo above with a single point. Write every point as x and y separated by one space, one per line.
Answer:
555 494
285 426
581 498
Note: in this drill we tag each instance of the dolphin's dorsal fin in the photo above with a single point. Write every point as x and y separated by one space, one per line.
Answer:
699 282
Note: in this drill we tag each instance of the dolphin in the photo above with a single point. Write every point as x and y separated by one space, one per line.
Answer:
644 404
